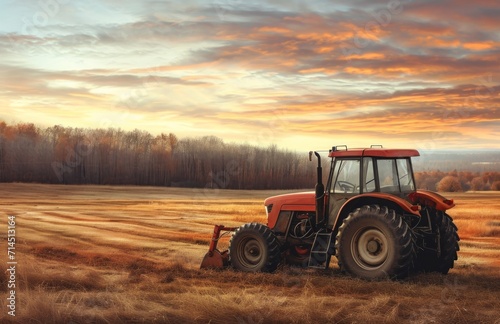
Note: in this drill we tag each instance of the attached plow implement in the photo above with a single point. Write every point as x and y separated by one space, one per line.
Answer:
215 259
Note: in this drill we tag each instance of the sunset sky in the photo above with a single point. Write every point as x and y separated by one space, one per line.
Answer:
300 74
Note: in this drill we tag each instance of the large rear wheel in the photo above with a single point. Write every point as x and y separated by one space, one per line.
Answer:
374 242
254 248
441 255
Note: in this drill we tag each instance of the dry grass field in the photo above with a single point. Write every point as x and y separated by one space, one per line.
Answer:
102 254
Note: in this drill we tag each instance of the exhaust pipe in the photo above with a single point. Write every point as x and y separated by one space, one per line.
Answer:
319 194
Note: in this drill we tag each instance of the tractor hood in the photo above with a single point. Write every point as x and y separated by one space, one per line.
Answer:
298 198
304 201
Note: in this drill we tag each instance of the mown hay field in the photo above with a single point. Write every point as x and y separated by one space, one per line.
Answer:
125 254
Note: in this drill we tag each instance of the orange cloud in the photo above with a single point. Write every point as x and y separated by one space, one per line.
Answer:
315 70
480 46
268 29
366 56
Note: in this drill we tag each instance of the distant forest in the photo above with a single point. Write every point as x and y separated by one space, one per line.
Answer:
115 157
68 155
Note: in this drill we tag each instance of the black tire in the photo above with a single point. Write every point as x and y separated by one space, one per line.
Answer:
443 259
254 248
374 242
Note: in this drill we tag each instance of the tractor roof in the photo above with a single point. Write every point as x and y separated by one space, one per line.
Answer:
343 151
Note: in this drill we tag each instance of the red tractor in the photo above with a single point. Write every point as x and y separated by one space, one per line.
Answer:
370 216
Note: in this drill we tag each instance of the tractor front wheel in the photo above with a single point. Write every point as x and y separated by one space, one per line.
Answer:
374 242
254 248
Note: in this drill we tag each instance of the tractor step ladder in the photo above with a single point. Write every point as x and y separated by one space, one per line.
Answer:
320 251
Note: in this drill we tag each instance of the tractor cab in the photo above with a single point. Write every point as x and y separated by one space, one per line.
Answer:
364 171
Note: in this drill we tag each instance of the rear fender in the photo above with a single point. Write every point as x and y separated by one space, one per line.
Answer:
393 202
431 199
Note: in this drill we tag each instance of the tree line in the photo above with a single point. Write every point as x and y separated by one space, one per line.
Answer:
116 157
456 181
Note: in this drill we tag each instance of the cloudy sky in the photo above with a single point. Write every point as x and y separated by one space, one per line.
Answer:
301 74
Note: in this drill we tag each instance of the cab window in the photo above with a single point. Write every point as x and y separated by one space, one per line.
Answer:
405 175
347 176
387 175
369 184
395 175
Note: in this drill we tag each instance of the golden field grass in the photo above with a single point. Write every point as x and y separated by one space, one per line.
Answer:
103 254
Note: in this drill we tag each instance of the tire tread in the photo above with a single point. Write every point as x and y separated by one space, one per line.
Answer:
273 246
404 239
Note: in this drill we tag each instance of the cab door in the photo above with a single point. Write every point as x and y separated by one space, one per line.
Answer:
346 181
